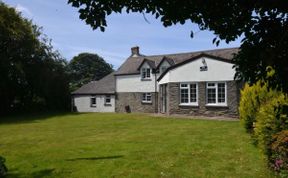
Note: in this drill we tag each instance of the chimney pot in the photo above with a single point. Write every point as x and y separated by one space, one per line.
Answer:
135 51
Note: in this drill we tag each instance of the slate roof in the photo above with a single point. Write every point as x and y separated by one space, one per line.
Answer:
131 65
106 85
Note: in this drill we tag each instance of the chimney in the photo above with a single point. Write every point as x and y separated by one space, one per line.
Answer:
135 51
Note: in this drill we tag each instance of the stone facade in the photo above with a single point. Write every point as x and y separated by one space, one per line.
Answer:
173 101
134 101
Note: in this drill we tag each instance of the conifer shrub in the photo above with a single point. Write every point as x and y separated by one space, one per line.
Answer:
271 119
251 99
263 111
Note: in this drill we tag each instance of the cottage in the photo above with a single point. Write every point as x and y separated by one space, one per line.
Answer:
96 96
196 83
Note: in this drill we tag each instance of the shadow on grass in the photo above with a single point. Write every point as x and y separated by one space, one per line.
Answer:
36 174
96 158
28 118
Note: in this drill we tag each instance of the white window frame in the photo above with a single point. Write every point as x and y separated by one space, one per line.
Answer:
144 73
93 104
189 94
145 97
107 103
216 93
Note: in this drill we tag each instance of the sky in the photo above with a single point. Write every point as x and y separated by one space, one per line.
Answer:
71 36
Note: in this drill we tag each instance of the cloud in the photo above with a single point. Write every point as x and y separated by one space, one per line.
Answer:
23 10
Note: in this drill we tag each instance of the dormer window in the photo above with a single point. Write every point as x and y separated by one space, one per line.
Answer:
146 73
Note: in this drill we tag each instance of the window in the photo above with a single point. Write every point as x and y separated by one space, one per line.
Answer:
146 73
146 98
216 93
189 94
108 100
93 101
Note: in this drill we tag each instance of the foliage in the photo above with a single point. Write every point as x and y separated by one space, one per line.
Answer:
279 153
3 168
134 145
271 118
264 112
263 25
86 67
32 74
252 97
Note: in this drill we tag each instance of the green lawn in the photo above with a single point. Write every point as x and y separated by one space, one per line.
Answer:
127 145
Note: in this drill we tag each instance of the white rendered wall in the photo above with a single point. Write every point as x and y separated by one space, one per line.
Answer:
133 83
164 64
83 104
217 71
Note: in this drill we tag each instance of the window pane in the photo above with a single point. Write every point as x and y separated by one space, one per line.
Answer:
143 73
211 95
211 84
148 97
107 99
193 93
93 101
184 85
221 92
184 95
147 73
144 97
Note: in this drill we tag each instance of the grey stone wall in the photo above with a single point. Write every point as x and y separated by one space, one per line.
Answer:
134 101
233 93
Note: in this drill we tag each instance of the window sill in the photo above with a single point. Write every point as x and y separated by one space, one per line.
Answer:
146 102
93 106
106 104
146 79
189 104
217 105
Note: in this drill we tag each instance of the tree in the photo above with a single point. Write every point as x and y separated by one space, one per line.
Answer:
264 25
32 74
86 67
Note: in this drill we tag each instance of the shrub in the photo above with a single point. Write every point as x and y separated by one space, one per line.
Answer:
251 99
3 168
279 149
271 119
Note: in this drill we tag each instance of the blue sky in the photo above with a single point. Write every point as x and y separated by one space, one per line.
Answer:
71 36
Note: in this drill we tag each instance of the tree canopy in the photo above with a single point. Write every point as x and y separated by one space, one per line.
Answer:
262 23
86 67
32 74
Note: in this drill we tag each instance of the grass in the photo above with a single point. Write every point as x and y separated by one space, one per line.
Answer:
127 145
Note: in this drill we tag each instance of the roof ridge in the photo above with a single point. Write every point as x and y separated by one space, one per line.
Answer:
200 51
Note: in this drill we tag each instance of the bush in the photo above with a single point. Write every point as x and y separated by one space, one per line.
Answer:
279 149
264 112
270 120
3 168
251 99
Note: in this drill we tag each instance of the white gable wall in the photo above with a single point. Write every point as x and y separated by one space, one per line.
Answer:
82 102
164 64
217 71
133 83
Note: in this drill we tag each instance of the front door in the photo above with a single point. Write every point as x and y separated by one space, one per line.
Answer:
163 98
